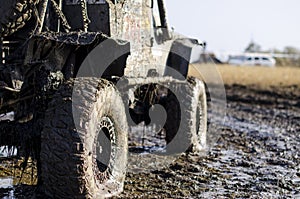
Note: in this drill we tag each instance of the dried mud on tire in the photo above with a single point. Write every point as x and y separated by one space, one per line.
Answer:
72 164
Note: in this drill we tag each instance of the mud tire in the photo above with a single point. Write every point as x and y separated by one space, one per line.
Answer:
15 14
198 116
68 164
186 124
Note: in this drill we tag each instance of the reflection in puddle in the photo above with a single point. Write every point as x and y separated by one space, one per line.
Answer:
7 116
6 151
14 180
146 139
7 183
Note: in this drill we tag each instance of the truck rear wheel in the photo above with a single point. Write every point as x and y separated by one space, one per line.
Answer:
186 124
84 141
199 132
15 14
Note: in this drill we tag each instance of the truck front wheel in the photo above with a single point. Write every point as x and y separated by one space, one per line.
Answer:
186 125
84 141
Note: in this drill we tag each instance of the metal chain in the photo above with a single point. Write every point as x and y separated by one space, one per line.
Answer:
85 16
61 15
42 15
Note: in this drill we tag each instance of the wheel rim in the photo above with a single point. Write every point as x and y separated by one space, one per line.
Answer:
105 149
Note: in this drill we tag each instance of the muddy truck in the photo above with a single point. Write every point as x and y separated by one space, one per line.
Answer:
76 74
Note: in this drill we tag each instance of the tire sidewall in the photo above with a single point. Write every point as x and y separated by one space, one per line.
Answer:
67 165
109 106
199 117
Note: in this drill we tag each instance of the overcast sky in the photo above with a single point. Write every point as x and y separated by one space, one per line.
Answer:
229 25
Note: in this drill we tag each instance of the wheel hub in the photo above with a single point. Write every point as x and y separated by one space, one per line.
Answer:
105 144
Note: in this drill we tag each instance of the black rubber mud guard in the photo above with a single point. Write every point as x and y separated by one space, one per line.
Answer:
179 58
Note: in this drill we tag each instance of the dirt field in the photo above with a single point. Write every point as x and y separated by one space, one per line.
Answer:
257 154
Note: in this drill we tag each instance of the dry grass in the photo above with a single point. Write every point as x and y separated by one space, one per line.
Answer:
262 77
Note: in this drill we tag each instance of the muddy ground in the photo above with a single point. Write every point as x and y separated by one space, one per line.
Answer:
257 154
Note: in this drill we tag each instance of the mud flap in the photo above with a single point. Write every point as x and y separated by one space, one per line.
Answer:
179 58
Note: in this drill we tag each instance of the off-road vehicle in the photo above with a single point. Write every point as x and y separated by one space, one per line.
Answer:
76 73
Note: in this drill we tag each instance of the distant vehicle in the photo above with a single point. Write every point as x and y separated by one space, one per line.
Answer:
252 60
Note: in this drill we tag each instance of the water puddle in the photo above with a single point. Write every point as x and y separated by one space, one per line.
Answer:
6 151
146 139
6 183
8 116
7 186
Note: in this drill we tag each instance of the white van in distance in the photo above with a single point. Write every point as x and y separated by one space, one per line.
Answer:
252 60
